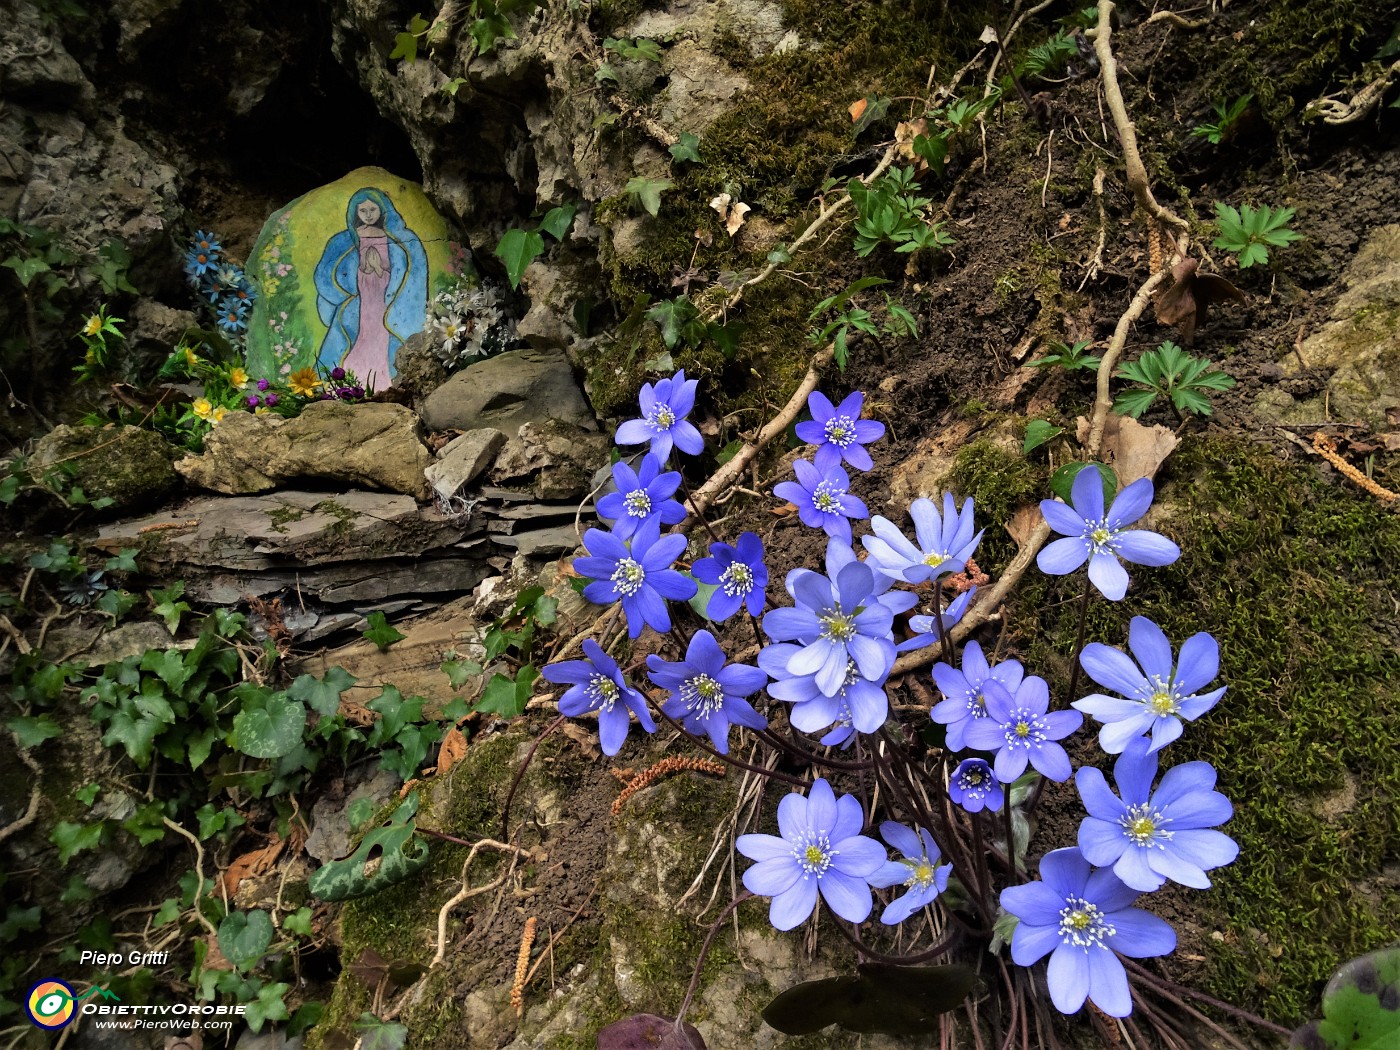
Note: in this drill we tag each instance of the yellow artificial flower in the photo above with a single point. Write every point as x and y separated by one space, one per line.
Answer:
237 377
304 382
189 357
202 408
93 326
263 411
218 414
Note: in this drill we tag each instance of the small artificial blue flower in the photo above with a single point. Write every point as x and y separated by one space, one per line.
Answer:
198 262
839 433
918 870
641 494
1157 697
944 542
706 694
640 575
663 423
928 630
596 684
963 702
1152 836
836 623
233 314
1021 729
1102 538
973 786
739 575
1083 918
821 850
858 705
205 241
822 499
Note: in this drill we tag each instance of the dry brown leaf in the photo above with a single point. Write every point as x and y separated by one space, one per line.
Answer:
731 211
905 132
356 713
1186 303
786 510
1023 522
583 738
1133 450
214 959
255 862
452 750
857 108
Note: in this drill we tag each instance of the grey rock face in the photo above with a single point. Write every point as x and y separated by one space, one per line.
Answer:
462 460
505 391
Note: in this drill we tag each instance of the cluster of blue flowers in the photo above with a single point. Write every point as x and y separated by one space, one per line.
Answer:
831 652
229 290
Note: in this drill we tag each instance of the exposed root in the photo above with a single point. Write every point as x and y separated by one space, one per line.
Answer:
1333 110
468 890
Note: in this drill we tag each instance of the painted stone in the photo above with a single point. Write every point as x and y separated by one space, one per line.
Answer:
346 273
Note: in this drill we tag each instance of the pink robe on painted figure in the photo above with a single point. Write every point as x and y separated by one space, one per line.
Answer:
369 357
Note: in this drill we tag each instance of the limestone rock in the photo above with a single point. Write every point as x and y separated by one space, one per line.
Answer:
556 457
462 460
505 391
128 465
1361 342
374 445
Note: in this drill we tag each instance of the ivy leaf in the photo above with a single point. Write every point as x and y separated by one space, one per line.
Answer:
299 922
458 671
687 149
272 730
169 667
167 605
32 730
268 1006
505 697
74 838
322 695
486 31
517 250
379 632
244 937
125 561
380 1035
19 920
557 221
647 192
406 43
867 111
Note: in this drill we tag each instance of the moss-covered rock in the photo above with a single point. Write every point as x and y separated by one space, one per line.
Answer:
128 465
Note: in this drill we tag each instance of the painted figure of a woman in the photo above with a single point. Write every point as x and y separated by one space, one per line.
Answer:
371 289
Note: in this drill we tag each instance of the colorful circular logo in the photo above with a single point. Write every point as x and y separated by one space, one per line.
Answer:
50 1004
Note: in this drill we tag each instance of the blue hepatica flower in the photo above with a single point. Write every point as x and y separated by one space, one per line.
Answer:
1156 698
928 630
918 870
663 423
821 850
973 786
706 693
233 314
641 494
738 574
1152 836
1022 730
1084 919
839 433
596 684
858 705
822 499
944 542
640 575
1102 538
963 702
839 555
836 623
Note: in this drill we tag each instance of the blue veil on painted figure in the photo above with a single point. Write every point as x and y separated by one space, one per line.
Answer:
371 288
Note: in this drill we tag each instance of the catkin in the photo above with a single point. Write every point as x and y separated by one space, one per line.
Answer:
1323 446
522 967
675 764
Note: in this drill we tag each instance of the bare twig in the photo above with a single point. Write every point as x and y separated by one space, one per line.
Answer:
199 874
35 794
468 891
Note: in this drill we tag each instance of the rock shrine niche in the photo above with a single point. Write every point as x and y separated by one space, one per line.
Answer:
346 274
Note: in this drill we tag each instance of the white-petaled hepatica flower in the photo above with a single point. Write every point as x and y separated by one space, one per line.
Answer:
1102 538
1083 919
1023 731
944 542
821 851
706 693
837 623
596 684
917 870
1155 698
1152 836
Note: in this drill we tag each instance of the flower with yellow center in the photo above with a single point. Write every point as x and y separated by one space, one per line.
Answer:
190 360
202 408
217 416
304 382
93 326
237 377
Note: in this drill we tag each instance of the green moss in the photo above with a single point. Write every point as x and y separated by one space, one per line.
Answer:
998 480
1294 578
281 516
344 517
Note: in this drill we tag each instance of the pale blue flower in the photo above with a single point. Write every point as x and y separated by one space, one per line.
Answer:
918 870
1022 730
839 433
706 693
663 423
945 542
596 684
963 701
639 575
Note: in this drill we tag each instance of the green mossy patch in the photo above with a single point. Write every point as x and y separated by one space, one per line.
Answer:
1296 579
998 480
